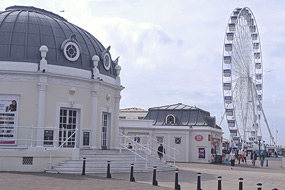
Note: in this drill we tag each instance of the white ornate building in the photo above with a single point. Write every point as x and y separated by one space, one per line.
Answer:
59 85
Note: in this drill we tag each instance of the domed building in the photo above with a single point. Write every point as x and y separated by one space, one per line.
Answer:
60 89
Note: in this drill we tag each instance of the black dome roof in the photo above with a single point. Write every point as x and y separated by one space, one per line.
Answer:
23 30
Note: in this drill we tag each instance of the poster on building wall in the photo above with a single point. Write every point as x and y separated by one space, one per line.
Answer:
201 152
86 138
48 137
8 119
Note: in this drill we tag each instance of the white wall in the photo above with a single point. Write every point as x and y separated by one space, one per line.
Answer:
195 145
11 160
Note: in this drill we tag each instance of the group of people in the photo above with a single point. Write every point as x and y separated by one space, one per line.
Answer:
261 158
241 155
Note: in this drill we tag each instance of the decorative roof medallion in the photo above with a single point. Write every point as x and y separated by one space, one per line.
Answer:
71 48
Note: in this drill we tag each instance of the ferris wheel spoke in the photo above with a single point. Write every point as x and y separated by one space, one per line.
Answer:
238 68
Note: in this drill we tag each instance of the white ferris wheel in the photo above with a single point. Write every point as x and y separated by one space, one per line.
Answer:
243 79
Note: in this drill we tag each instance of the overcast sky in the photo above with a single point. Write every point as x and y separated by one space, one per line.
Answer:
171 50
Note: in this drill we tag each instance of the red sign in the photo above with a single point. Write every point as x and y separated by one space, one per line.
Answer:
198 137
209 137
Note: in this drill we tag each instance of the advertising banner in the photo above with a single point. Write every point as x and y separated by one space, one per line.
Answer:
201 152
8 119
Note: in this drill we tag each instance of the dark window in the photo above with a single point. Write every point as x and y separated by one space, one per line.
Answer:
137 139
177 140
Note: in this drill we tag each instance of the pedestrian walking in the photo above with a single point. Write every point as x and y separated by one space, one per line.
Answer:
240 156
254 157
261 159
244 156
236 156
233 158
160 151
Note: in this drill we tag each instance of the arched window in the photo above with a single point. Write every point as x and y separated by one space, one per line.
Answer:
170 119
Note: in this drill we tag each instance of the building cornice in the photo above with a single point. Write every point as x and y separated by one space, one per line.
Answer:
56 79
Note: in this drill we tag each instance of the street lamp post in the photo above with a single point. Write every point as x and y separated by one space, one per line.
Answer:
258 148
264 148
259 139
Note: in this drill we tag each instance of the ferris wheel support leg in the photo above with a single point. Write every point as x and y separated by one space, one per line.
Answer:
253 108
265 119
222 118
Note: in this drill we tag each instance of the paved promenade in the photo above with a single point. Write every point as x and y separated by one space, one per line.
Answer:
271 177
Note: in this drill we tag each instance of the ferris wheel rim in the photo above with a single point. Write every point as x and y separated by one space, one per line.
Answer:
240 11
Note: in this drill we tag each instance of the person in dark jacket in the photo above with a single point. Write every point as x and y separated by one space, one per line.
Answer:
160 151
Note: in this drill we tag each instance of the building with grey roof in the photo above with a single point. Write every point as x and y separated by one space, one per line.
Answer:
188 133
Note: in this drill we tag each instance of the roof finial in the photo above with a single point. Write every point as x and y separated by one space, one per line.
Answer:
43 61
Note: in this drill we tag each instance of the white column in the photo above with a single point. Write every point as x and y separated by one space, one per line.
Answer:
116 115
168 148
94 116
151 141
41 110
187 147
117 105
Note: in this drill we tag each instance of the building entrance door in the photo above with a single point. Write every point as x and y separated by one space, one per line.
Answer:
105 132
68 123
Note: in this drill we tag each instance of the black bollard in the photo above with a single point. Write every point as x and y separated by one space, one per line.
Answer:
219 183
240 183
275 189
132 179
198 181
177 186
259 186
154 181
266 163
108 170
83 166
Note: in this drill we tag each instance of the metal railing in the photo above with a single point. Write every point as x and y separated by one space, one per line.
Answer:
56 149
134 149
26 136
146 148
174 150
